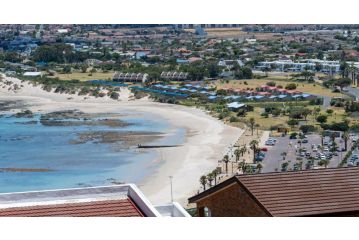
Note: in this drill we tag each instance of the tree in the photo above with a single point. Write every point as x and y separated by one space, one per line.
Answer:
252 123
203 181
215 173
259 167
66 69
243 150
254 146
307 128
322 118
324 163
345 137
292 122
306 112
284 166
226 161
237 153
210 179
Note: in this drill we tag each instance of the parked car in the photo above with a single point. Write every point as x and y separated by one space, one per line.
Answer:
264 149
304 140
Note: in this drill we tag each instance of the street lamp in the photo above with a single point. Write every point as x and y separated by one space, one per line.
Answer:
171 177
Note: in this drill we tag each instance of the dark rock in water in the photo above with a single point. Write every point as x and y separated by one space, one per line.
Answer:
119 139
10 105
78 118
25 170
24 114
27 123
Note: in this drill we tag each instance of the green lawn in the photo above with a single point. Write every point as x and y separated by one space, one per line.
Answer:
311 88
85 76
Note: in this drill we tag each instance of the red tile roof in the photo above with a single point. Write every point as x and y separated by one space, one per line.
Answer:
303 193
106 208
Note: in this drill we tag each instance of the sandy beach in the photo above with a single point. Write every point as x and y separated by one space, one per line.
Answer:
207 139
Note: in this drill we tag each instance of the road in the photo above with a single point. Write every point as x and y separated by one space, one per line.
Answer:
354 92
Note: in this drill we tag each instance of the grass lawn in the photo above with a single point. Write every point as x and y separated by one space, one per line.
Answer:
85 76
311 88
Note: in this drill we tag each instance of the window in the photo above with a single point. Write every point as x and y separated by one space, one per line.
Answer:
207 212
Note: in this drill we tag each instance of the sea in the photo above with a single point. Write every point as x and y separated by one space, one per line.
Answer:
26 145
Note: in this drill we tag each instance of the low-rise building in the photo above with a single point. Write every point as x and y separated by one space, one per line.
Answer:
130 77
321 192
174 76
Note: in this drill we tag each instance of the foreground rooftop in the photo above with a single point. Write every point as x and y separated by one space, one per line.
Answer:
321 192
108 201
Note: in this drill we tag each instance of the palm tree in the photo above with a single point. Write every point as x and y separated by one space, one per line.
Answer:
252 123
215 173
254 146
203 181
346 139
210 178
259 167
241 165
257 127
237 153
243 150
226 161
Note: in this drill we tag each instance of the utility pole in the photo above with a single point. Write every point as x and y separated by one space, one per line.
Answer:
171 177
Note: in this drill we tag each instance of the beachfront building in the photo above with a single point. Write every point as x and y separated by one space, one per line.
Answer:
32 74
318 65
321 192
174 76
124 200
130 77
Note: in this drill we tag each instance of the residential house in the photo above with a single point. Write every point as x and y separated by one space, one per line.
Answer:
320 192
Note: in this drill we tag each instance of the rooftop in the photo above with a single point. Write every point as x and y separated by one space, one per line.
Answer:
116 201
302 193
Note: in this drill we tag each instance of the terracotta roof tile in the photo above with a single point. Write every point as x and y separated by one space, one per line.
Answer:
304 193
106 208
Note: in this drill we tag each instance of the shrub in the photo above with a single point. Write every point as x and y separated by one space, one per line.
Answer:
271 84
233 119
291 86
114 95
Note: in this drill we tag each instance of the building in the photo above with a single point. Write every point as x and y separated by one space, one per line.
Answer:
174 76
235 106
130 77
32 74
306 64
230 63
109 201
321 192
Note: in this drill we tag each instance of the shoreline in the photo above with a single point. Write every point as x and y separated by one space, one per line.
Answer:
206 139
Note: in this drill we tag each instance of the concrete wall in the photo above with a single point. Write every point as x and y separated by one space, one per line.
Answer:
230 202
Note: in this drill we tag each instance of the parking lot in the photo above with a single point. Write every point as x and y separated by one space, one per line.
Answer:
296 156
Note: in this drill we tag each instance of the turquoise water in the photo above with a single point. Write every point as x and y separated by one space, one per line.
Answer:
75 165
